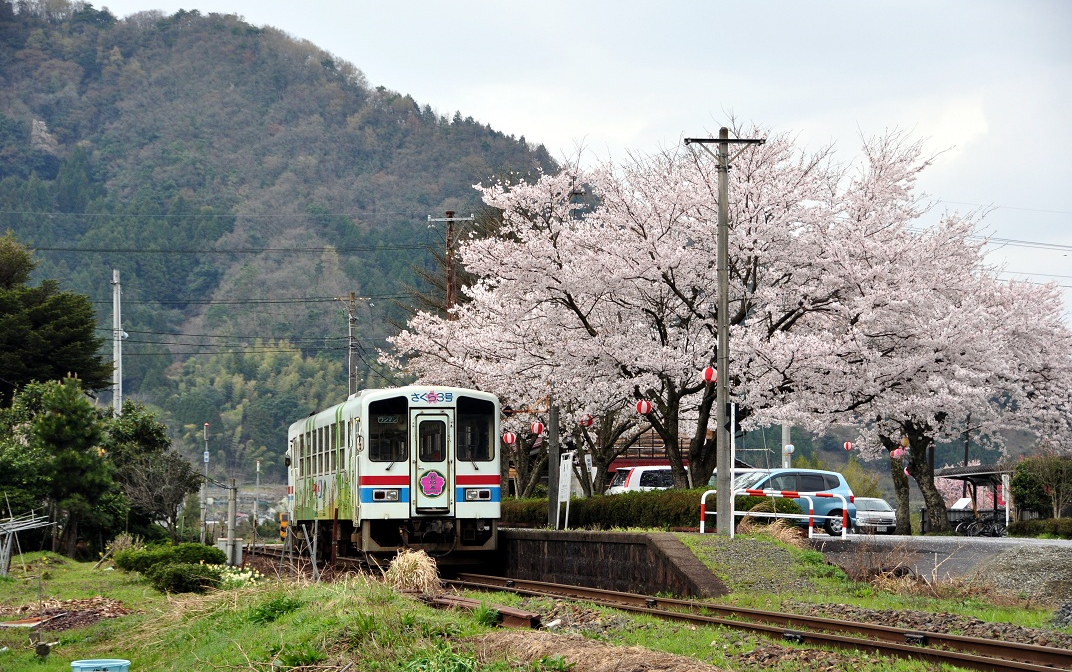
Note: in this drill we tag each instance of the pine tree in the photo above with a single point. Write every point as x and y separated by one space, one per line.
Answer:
45 334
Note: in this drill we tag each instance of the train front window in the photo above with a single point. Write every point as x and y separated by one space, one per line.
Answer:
389 430
433 441
476 429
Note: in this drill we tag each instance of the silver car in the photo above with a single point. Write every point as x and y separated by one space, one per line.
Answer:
874 516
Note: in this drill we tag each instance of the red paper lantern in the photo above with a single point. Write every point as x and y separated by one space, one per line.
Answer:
585 421
896 453
710 375
643 407
848 445
537 428
509 438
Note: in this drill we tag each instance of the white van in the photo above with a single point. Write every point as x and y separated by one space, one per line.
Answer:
635 479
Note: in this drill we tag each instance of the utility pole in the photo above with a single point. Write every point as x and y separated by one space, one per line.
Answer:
553 458
117 347
452 279
256 503
204 491
724 478
351 345
967 444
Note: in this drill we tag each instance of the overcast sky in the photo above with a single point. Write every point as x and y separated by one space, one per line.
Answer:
988 81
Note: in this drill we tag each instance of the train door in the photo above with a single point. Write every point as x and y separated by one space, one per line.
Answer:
433 488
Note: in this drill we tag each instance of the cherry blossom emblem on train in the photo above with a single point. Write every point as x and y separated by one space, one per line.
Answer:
432 483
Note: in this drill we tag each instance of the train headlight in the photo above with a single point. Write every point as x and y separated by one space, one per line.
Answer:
478 495
385 495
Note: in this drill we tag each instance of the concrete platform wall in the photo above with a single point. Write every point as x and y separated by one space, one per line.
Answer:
656 563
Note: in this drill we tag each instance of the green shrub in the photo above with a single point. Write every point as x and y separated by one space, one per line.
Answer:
1049 527
183 577
195 553
141 559
662 509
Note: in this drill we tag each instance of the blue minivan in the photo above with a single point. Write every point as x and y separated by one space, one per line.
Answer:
805 480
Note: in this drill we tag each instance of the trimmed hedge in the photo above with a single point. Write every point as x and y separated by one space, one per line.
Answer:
143 559
654 508
1051 527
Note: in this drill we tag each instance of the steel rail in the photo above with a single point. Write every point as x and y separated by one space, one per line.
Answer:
971 652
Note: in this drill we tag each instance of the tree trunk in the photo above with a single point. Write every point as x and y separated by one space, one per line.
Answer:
920 469
70 535
900 487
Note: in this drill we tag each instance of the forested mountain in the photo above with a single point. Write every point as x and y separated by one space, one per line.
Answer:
241 181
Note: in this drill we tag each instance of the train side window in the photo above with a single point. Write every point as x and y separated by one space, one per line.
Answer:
299 453
320 443
307 468
476 428
388 430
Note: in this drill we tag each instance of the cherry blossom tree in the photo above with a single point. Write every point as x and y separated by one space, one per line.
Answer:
841 309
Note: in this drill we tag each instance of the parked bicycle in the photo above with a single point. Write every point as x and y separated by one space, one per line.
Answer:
981 528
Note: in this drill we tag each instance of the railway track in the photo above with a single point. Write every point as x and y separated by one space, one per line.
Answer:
965 652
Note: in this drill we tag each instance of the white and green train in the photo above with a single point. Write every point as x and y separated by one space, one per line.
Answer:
414 467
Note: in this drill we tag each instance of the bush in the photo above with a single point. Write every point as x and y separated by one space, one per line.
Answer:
1050 527
183 577
662 509
195 553
142 559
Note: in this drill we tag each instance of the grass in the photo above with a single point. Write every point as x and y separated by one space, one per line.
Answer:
272 626
277 625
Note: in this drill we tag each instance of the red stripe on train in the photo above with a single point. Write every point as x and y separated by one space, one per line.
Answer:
385 480
490 479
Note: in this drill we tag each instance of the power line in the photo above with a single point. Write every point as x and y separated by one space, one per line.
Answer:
240 343
235 250
1008 207
210 215
183 334
242 302
1024 243
224 352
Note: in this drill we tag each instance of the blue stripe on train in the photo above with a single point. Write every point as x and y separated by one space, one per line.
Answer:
459 495
366 496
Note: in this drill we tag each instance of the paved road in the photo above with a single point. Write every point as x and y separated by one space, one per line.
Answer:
940 556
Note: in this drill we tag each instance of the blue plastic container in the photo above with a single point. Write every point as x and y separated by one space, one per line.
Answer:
100 665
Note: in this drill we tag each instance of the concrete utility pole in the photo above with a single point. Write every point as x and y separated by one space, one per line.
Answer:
117 346
553 456
256 503
351 344
452 279
204 491
724 478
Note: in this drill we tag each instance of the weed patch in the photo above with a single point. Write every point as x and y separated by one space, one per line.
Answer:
274 609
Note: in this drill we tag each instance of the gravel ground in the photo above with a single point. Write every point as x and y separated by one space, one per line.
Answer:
1040 573
934 622
752 565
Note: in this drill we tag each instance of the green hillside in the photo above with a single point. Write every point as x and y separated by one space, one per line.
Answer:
241 181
